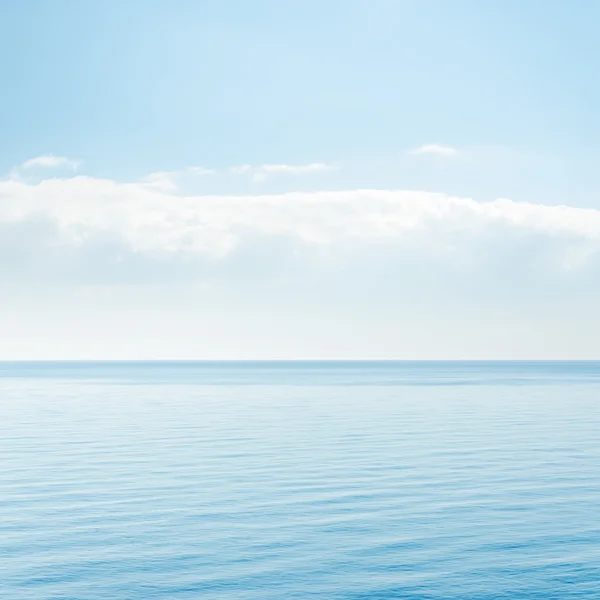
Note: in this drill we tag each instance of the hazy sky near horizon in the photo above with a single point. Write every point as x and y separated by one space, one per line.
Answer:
321 179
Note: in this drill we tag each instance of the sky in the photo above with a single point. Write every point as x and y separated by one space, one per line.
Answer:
257 179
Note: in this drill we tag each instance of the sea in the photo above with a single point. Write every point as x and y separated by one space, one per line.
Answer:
299 480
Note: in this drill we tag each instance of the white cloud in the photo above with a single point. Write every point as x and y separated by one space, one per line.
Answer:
201 171
436 149
261 172
382 272
162 180
257 173
149 218
49 161
294 169
167 181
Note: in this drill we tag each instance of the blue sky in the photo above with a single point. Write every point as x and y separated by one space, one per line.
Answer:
140 86
123 121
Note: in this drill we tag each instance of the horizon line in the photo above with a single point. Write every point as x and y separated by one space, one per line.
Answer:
293 360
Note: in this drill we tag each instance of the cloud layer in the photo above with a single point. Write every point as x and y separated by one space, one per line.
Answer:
115 221
355 273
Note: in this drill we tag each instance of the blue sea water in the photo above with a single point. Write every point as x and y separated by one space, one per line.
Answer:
328 480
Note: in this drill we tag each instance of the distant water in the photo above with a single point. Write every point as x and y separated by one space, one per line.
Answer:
248 481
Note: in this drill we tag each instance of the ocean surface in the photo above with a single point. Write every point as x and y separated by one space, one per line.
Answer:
328 480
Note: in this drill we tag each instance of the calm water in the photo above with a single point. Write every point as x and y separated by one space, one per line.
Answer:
310 480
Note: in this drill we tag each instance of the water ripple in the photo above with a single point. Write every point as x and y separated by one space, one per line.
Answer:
423 481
